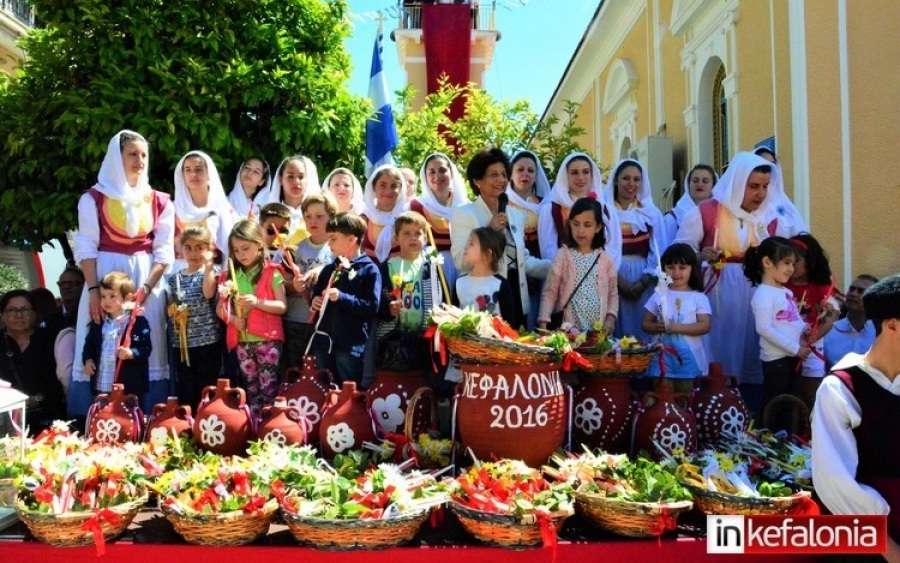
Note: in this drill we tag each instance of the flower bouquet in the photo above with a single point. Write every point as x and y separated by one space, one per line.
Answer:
73 492
382 507
632 498
609 356
218 500
510 504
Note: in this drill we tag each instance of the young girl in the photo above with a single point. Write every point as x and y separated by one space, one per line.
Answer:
582 278
200 201
196 332
482 288
385 196
253 314
295 178
778 322
251 186
679 316
812 287
345 188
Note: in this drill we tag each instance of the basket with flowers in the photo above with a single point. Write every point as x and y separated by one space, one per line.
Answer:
608 356
510 504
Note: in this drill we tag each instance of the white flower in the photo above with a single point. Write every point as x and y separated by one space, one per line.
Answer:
227 289
388 412
437 258
588 416
107 431
212 431
158 436
345 263
340 437
732 421
308 410
276 436
351 274
672 437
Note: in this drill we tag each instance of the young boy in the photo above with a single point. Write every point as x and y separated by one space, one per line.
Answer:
310 256
275 221
105 345
348 290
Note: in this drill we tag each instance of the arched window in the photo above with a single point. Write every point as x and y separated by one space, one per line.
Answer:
719 112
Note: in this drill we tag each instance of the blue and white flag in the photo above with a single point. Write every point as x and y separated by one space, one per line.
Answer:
381 134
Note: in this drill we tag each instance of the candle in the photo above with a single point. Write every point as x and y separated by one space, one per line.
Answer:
178 287
716 239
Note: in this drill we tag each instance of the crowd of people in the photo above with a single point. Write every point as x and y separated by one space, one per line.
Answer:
169 294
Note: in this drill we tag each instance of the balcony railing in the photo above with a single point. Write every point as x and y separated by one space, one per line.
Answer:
410 15
19 9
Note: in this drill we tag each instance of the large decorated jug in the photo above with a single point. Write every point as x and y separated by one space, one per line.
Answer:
517 412
307 389
718 406
603 413
223 424
663 423
115 417
389 395
346 422
282 424
169 419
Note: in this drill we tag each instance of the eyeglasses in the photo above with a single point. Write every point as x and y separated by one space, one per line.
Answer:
16 311
69 283
857 289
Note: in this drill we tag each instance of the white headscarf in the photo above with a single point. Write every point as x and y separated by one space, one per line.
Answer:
113 182
357 202
384 219
729 190
217 204
541 185
312 179
560 193
782 208
686 202
458 194
640 217
238 198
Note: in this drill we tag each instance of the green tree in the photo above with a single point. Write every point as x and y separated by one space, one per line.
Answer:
233 78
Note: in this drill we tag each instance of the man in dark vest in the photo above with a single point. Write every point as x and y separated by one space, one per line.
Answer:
855 420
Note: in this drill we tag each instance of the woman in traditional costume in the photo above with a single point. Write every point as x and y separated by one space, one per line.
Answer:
200 201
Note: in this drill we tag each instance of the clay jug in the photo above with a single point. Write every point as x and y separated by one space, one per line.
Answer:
662 420
518 412
223 424
282 424
346 422
602 413
388 397
307 389
169 419
115 417
718 406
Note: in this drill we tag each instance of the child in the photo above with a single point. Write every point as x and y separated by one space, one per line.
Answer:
309 257
253 313
105 345
346 300
812 287
482 288
196 333
680 315
778 322
250 187
345 188
275 221
295 179
582 278
409 287
385 198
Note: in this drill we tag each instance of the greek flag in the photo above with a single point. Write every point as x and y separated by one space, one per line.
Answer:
381 134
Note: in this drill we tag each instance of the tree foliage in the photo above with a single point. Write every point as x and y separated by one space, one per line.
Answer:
233 78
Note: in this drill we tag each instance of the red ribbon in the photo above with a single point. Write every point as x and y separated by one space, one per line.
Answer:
548 533
806 507
93 526
662 363
573 360
664 522
126 340
437 517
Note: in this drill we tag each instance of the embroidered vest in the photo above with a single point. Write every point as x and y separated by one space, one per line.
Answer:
440 228
717 218
111 216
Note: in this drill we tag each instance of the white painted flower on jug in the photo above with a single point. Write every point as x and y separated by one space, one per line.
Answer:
340 437
107 431
158 436
308 410
276 436
388 412
212 431
732 421
672 437
588 416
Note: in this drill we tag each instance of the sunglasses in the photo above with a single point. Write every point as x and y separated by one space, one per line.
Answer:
856 288
274 232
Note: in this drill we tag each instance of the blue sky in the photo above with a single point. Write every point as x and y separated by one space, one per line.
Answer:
538 37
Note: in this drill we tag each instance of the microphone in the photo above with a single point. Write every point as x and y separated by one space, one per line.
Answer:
502 201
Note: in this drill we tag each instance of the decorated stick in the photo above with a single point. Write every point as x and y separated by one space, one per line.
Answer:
126 340
321 311
440 267
237 293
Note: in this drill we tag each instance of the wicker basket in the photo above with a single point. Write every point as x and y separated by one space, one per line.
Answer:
8 492
493 352
224 529
713 502
621 363
65 530
633 519
504 529
354 534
